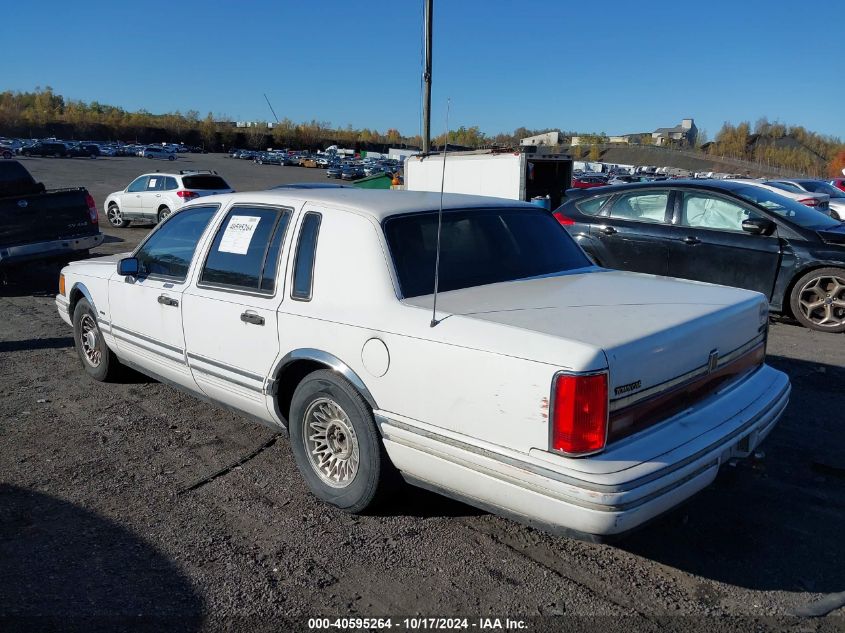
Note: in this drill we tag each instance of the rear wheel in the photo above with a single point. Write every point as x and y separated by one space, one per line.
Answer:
163 213
97 359
115 217
7 154
336 445
818 300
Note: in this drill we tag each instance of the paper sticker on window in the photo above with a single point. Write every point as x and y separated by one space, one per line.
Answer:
238 234
152 183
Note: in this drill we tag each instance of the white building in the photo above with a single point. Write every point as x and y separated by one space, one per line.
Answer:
547 138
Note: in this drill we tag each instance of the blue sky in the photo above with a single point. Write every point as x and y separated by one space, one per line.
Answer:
612 65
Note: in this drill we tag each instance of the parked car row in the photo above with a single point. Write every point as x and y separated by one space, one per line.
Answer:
89 149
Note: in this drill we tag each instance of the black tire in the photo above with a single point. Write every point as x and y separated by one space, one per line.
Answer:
825 288
7 154
171 157
115 218
163 213
97 359
375 477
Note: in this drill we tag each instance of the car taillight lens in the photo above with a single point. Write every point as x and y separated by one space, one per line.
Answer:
61 284
810 202
92 209
579 414
565 221
187 195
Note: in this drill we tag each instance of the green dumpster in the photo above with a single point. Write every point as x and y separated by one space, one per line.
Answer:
376 181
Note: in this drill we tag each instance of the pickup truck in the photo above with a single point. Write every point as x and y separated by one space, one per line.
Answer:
38 223
543 387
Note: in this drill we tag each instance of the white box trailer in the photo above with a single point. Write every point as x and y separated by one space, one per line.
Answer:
514 175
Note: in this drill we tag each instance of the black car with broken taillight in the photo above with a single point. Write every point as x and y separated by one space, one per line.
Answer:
722 232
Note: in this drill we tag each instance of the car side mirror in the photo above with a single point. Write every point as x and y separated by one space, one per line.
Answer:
128 267
758 226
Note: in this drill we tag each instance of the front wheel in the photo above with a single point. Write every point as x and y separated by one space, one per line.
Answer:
336 445
115 217
97 359
818 300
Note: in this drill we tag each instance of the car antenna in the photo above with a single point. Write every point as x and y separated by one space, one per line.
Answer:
434 320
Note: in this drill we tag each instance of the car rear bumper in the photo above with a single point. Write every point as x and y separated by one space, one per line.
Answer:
52 248
542 491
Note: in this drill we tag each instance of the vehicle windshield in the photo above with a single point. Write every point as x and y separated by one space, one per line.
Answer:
785 207
478 247
823 187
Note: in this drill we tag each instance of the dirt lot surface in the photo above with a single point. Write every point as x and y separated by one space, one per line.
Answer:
97 522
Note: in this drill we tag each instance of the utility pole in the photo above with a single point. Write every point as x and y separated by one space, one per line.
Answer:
426 140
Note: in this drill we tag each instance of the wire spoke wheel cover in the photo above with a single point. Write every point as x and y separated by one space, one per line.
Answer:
822 301
331 443
90 339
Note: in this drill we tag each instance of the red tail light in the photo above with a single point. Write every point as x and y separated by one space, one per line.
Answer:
810 202
565 221
579 414
187 195
92 209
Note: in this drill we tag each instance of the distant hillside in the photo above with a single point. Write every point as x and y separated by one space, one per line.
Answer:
691 160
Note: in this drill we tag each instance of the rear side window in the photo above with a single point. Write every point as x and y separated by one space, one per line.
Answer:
478 247
303 272
592 206
204 182
170 183
245 251
645 206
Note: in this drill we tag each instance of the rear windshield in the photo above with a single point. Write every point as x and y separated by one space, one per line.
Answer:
204 182
477 247
788 208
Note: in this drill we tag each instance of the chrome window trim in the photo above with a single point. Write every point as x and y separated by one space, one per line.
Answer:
313 260
242 289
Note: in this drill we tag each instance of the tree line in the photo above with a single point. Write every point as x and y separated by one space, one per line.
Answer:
788 146
43 113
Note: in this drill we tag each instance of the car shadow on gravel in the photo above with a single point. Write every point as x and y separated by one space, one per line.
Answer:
772 523
67 568
36 343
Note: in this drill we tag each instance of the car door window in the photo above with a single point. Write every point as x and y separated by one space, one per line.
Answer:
170 183
155 183
641 206
169 249
137 185
700 210
245 252
592 206
303 272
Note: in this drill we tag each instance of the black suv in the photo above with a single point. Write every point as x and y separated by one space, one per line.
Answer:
45 148
718 231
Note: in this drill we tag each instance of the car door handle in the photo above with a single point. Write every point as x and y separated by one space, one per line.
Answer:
607 230
167 301
692 241
251 317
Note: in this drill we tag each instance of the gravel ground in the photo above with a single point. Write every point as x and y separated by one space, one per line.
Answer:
97 527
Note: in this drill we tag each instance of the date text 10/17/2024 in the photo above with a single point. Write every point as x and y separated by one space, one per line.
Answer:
417 623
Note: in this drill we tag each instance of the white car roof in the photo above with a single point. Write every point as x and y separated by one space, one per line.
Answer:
376 203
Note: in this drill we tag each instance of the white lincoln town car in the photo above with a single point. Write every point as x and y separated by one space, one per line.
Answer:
582 400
